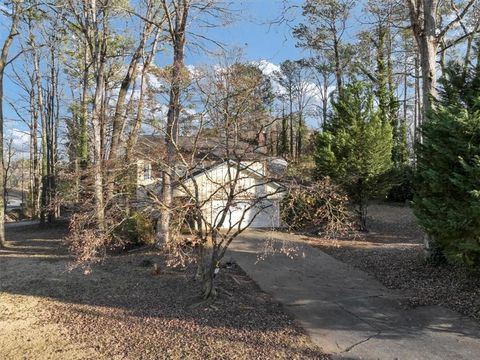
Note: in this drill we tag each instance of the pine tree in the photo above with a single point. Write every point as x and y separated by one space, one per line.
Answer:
447 198
355 147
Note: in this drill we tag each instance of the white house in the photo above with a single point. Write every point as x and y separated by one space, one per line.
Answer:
257 193
256 196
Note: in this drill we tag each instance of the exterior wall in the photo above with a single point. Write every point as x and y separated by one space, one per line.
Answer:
213 185
266 215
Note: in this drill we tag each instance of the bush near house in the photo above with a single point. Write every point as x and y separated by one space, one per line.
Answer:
136 230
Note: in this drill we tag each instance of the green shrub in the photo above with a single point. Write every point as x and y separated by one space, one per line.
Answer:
136 230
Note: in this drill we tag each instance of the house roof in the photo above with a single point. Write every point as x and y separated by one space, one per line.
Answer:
204 147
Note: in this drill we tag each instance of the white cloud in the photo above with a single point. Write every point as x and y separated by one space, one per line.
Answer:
267 67
20 140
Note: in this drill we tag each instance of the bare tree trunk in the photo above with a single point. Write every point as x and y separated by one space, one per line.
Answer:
99 59
52 117
292 142
3 63
118 121
325 99
418 100
337 64
177 26
34 172
97 149
133 137
41 111
424 18
6 163
83 147
299 138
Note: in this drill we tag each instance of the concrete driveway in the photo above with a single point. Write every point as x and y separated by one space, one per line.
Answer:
345 311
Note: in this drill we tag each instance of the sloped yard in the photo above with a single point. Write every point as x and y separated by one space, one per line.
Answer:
123 311
392 252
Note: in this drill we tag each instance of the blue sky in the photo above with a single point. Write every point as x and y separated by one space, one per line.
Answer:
255 34
252 30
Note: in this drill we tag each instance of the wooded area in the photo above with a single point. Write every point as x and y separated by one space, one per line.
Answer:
361 109
195 182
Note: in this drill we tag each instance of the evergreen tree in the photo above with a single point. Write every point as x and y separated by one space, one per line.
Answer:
355 147
447 196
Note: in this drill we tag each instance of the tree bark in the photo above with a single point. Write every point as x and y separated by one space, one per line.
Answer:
337 65
424 18
118 121
99 59
177 28
292 142
3 63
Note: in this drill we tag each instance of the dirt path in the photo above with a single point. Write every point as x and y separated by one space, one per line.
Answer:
122 311
347 312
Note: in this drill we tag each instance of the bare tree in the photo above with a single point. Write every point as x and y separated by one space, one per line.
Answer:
425 18
222 182
151 22
14 13
177 13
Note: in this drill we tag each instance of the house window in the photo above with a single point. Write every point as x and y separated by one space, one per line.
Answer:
147 171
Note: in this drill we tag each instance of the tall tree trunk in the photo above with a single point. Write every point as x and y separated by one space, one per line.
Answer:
34 172
83 147
325 100
418 98
428 53
99 60
3 63
177 26
97 147
119 117
133 137
284 136
300 135
337 63
43 120
424 20
292 142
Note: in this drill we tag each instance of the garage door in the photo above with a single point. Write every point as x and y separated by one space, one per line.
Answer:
263 215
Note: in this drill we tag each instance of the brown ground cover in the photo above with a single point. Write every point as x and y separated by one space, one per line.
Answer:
122 311
392 252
